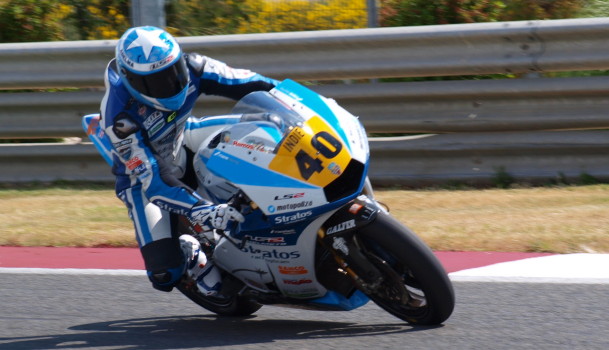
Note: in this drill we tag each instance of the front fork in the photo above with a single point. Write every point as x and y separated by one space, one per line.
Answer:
338 235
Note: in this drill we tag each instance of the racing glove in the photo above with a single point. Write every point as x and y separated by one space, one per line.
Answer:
216 216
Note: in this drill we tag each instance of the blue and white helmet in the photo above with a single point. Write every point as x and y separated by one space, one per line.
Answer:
152 67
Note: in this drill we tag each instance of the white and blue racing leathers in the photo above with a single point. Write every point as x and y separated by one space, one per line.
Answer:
146 142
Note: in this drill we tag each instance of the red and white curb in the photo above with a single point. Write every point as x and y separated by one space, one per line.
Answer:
461 266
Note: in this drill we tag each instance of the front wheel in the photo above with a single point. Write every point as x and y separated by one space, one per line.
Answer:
415 286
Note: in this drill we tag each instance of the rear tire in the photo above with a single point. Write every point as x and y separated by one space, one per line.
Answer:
416 287
230 306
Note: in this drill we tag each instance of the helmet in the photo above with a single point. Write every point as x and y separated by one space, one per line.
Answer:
152 67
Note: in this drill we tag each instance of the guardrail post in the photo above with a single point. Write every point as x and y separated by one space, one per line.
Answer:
373 14
148 12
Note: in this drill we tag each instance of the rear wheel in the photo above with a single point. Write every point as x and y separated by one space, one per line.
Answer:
234 305
415 286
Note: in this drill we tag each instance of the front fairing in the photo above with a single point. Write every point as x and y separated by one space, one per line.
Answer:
305 157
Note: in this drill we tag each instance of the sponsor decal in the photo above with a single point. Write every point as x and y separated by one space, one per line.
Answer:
142 110
172 116
355 208
124 152
290 196
254 147
122 143
293 270
284 232
334 168
364 210
284 219
341 245
222 156
278 240
272 254
126 59
94 124
152 119
136 165
294 206
297 282
161 63
165 206
156 128
293 139
259 145
341 227
294 96
123 148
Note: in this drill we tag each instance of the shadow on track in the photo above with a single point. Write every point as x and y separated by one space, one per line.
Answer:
181 332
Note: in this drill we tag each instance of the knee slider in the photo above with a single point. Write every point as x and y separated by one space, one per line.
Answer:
164 263
165 280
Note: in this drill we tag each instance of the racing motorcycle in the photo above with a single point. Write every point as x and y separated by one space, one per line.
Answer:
314 237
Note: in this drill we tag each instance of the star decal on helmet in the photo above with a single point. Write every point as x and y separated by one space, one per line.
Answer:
148 39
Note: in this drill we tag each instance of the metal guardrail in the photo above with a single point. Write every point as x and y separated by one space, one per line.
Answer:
482 159
430 107
476 113
424 160
460 49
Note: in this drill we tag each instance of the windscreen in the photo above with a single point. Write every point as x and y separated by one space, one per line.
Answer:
264 102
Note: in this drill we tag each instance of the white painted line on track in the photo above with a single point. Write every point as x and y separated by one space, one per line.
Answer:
49 271
564 268
515 279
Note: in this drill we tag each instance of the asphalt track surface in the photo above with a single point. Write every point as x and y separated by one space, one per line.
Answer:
504 301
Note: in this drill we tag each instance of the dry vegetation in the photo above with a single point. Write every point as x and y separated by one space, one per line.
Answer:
63 217
557 219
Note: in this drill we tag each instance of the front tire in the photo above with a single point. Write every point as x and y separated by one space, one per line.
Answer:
415 286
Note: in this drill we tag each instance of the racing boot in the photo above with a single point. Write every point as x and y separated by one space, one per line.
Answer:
207 276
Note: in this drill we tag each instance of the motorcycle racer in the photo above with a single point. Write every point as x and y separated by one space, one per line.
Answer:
151 88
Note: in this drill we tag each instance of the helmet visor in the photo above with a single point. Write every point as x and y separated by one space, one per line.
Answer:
163 84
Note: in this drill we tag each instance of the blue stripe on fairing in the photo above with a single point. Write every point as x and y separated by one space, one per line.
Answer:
273 132
241 172
334 299
313 100
213 121
226 81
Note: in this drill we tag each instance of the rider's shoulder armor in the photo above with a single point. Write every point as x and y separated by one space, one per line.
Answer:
196 63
